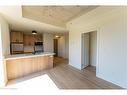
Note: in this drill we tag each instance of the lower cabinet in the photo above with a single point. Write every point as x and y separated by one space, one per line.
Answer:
24 66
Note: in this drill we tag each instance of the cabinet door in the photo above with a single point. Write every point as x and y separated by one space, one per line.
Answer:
24 38
31 41
13 37
28 40
38 38
16 37
20 36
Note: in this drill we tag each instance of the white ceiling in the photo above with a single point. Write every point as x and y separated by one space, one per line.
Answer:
51 19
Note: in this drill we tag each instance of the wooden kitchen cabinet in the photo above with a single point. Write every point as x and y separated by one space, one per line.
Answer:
21 67
38 38
28 40
16 36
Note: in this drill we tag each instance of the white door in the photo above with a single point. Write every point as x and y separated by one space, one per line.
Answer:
85 50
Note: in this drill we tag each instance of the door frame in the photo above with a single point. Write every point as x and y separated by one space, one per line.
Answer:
55 41
97 58
83 51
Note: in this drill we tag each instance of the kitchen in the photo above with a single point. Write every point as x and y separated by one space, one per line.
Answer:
27 55
26 43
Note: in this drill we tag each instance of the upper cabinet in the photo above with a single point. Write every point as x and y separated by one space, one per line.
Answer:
30 39
16 37
38 38
26 39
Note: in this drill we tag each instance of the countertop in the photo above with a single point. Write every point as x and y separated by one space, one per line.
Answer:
18 56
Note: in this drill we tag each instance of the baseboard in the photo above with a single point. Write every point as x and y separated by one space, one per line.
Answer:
123 85
93 65
75 66
3 84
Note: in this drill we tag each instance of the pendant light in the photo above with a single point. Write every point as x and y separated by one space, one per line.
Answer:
34 32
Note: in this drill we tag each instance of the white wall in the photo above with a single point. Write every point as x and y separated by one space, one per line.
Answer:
63 46
112 63
48 42
75 49
67 46
4 49
110 23
93 48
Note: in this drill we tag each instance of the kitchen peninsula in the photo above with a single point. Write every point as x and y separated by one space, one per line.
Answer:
27 55
20 65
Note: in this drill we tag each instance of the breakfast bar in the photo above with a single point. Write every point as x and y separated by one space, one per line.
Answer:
20 65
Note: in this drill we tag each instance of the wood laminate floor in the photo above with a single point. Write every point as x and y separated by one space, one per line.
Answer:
68 77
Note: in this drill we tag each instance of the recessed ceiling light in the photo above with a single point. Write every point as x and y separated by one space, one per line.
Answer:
57 36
